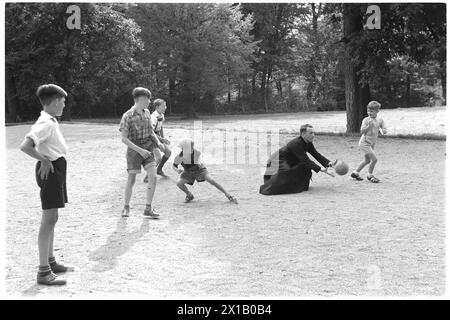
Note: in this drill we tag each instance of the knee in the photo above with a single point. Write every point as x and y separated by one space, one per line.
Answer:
180 183
374 159
168 153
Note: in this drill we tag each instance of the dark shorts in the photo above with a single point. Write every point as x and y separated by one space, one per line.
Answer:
53 189
190 175
135 161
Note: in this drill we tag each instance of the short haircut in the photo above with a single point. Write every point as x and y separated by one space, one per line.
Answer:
158 102
374 105
49 92
304 127
140 91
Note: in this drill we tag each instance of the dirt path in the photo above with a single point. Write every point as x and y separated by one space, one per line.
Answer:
340 238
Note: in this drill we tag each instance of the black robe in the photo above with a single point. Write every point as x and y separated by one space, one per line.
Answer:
289 168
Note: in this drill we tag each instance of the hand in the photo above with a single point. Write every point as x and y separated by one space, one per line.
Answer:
145 153
166 141
161 146
332 163
44 170
325 170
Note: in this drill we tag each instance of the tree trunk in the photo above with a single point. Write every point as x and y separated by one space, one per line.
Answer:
171 94
12 101
254 84
354 94
364 99
408 91
443 77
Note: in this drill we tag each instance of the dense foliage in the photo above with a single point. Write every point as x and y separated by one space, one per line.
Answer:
225 58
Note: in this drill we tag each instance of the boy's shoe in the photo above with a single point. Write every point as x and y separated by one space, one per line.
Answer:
50 280
232 199
356 176
150 213
373 179
126 211
189 198
60 268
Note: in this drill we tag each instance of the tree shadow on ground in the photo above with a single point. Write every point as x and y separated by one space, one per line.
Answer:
117 244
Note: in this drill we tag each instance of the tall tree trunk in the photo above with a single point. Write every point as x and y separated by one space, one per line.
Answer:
254 84
354 94
408 91
364 99
443 77
12 100
187 94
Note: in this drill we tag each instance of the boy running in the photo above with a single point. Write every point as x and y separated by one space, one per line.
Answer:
370 127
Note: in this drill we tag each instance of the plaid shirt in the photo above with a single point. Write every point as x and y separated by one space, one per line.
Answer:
138 125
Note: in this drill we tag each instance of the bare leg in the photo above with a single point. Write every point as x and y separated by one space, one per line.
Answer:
363 163
182 185
151 186
45 237
217 185
129 187
373 162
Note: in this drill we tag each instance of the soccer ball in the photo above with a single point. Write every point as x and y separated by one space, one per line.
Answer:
341 167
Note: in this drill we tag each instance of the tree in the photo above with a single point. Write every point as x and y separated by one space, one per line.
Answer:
90 63
194 50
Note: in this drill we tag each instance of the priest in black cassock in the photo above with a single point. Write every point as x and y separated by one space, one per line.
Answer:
289 168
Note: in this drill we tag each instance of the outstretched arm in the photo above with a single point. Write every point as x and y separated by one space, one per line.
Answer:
322 160
299 151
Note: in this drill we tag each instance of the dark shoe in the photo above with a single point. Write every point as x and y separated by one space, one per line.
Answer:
60 268
50 280
232 199
356 176
126 211
189 198
151 213
373 179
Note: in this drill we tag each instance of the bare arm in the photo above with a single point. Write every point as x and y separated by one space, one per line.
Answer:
365 125
28 146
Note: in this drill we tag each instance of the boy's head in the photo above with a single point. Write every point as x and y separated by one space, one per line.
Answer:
52 98
307 132
141 97
160 105
373 107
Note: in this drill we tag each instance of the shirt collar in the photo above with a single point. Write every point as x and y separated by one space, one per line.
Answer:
46 115
134 110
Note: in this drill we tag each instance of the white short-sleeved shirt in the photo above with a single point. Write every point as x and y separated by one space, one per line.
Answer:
157 121
371 135
47 137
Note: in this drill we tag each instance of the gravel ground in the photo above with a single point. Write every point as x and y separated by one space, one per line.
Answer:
340 238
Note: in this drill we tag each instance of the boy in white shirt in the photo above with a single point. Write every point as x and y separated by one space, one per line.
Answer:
370 127
46 144
157 120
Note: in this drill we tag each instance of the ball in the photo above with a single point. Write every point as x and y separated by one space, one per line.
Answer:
341 168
